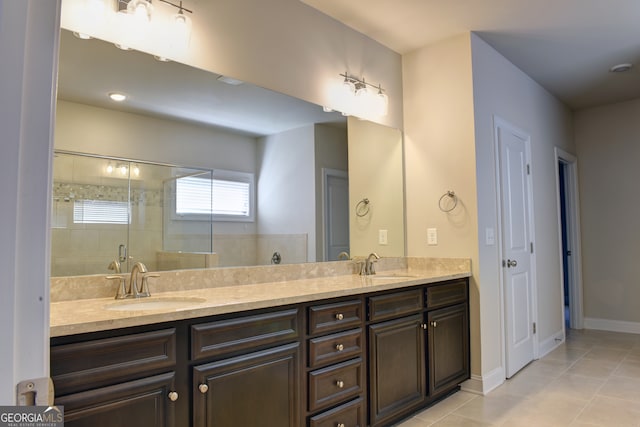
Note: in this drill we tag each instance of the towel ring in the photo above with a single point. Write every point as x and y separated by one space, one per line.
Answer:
362 208
452 196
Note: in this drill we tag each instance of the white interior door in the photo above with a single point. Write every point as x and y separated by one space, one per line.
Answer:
516 247
336 204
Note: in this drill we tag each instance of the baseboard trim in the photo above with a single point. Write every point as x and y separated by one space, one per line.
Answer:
550 344
484 384
612 325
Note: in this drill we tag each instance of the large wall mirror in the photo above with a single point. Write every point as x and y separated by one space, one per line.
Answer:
308 169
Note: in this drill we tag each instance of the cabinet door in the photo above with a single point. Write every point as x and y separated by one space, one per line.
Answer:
448 348
256 389
396 368
140 403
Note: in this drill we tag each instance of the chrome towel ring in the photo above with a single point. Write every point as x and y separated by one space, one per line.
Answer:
362 208
452 205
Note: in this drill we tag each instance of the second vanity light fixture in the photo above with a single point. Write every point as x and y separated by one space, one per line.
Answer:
360 98
140 24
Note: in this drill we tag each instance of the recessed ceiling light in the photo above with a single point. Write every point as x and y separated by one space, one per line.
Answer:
118 97
621 68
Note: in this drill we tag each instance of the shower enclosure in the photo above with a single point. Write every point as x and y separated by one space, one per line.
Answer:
109 213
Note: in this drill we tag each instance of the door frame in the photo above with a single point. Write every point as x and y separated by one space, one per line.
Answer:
576 313
326 174
499 122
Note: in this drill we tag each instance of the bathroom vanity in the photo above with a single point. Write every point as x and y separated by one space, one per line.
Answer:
335 351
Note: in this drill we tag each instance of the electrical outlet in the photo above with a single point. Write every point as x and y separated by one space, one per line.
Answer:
432 236
382 237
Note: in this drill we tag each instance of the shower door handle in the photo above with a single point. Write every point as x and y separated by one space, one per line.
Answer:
122 253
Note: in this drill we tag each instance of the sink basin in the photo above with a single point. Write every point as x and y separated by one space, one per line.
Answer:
154 303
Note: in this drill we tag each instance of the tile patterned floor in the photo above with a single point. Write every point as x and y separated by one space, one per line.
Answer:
593 379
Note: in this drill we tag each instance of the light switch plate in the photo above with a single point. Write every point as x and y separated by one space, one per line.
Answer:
432 236
489 236
382 237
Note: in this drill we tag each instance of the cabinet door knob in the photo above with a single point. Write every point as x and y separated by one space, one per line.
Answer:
340 384
339 316
340 425
173 396
203 388
339 347
434 324
424 326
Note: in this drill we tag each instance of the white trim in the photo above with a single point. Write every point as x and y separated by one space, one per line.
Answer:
575 287
484 384
551 343
612 325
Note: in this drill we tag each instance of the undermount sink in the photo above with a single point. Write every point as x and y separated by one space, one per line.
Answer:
154 303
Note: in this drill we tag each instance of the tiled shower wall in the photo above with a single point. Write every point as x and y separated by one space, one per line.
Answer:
79 249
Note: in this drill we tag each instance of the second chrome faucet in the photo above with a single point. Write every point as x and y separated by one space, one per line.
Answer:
137 288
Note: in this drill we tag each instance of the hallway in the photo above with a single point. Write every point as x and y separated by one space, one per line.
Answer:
593 379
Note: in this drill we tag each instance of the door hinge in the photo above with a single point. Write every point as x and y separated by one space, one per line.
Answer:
528 169
534 327
531 247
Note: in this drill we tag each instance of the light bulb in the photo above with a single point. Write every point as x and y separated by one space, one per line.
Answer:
181 30
348 86
109 168
140 9
136 170
123 170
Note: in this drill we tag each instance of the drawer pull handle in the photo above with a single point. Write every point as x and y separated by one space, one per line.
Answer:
339 316
434 324
339 347
173 396
340 425
203 388
424 326
340 384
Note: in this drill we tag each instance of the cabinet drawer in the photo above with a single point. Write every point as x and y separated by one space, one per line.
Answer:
395 305
335 383
335 347
446 294
348 415
333 317
96 363
233 335
141 403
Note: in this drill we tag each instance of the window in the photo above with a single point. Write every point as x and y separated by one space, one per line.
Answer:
87 211
227 196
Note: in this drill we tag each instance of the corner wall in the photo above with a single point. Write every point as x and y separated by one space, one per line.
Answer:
439 156
501 89
608 151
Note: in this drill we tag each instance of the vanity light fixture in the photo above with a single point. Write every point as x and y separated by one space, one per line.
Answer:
123 169
117 97
141 10
135 170
109 168
363 99
181 24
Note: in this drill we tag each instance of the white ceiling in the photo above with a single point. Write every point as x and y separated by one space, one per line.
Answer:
567 46
90 69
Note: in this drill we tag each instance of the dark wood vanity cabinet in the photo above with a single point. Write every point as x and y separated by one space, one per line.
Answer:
336 381
418 349
251 370
370 359
122 380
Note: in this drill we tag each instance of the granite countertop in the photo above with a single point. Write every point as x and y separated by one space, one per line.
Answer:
71 317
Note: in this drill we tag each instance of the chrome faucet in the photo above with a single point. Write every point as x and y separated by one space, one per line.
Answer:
134 290
368 267
115 266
